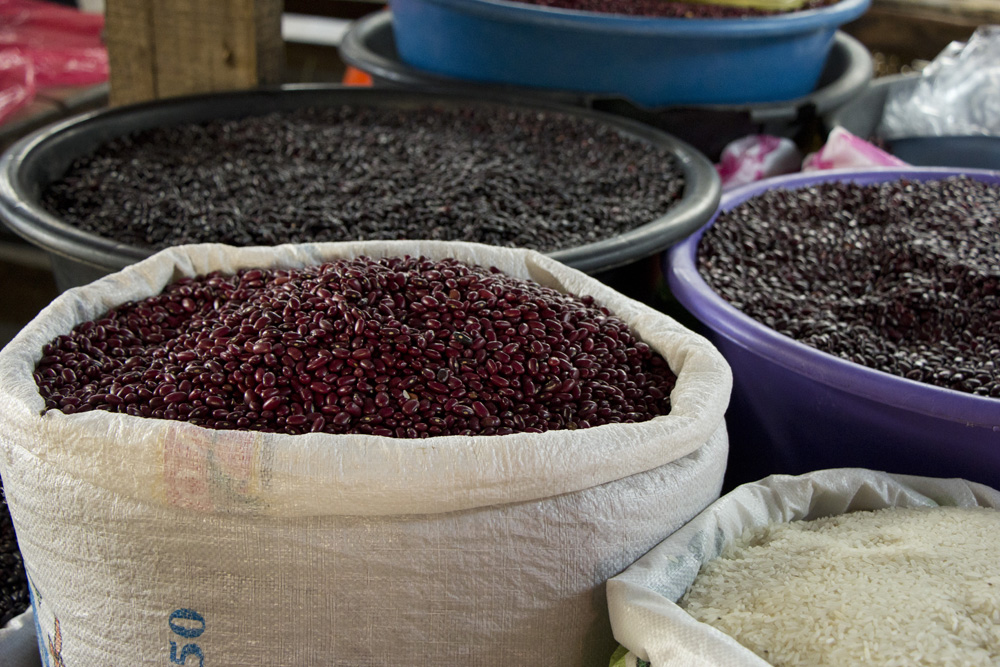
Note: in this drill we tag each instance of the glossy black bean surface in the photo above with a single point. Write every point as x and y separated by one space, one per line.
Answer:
902 276
493 174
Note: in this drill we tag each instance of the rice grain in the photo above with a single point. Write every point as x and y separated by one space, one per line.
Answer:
898 586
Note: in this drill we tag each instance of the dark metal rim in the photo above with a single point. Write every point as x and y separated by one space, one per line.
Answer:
22 213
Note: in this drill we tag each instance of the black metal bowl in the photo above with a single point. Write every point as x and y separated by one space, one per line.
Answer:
80 257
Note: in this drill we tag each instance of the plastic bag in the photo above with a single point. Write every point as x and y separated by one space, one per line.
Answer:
62 46
843 150
957 94
140 535
17 82
69 67
641 600
757 156
29 17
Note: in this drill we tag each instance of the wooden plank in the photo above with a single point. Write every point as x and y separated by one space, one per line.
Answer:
269 43
165 48
903 33
128 29
979 12
220 45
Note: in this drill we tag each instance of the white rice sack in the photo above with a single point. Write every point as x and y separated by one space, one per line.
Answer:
150 541
642 600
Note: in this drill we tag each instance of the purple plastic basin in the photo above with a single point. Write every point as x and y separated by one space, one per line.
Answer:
796 409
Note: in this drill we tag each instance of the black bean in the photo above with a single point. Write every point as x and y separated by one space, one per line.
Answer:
492 174
900 276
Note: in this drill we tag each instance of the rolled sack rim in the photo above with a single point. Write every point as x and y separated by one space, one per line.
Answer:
181 464
646 593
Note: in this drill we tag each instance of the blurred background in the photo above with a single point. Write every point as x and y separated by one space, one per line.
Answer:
902 36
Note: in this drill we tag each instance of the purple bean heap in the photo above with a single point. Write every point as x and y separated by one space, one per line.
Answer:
493 174
402 347
668 9
902 276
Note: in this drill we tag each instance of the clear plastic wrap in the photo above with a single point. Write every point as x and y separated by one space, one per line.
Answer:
957 94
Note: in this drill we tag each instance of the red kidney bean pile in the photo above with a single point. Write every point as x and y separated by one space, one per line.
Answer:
902 276
667 9
401 347
14 599
493 174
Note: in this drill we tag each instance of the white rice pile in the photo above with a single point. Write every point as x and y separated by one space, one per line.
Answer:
891 587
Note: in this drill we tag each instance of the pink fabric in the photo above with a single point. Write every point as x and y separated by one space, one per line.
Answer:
844 150
69 67
43 44
755 157
17 82
34 18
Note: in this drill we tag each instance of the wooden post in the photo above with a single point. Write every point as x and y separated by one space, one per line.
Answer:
163 48
128 32
904 33
977 12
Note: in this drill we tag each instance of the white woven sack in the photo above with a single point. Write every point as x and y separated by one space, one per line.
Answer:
642 599
154 542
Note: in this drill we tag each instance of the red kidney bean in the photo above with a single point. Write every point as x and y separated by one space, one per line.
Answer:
342 378
667 8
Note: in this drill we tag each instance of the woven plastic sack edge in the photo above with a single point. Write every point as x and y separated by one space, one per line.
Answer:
642 600
368 475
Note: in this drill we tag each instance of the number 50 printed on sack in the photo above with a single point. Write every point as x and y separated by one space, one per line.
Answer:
187 624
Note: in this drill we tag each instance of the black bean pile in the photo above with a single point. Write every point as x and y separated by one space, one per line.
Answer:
668 9
902 276
493 174
14 599
402 347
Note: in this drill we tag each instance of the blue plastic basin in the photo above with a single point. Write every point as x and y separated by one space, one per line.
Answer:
651 61
796 409
370 45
